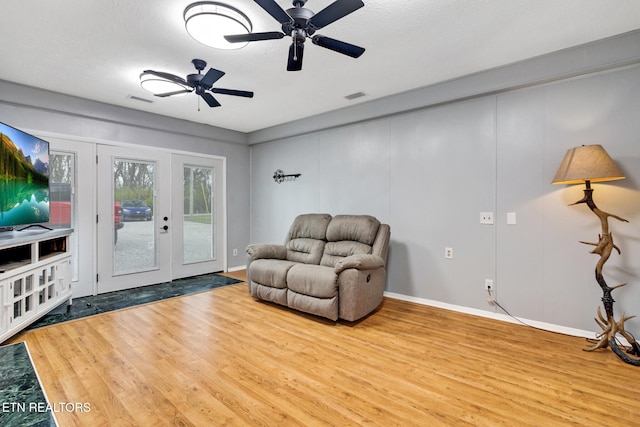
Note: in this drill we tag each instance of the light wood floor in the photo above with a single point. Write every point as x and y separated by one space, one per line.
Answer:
220 358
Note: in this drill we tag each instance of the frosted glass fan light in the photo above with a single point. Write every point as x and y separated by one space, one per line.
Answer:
158 86
208 22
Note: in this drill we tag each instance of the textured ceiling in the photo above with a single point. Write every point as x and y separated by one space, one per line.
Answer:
97 50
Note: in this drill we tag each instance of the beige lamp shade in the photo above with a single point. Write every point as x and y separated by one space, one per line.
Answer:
587 163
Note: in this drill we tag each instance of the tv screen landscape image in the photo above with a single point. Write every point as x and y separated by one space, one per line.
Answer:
24 178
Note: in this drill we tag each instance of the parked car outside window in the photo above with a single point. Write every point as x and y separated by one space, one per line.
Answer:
60 209
135 210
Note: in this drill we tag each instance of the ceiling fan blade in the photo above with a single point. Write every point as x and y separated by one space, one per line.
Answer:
177 92
296 51
276 11
209 99
338 46
167 76
254 37
336 10
233 92
211 77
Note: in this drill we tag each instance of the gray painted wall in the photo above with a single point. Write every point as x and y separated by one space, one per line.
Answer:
42 111
488 142
430 172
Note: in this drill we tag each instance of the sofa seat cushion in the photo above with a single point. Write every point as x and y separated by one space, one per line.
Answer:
325 307
313 280
270 272
267 293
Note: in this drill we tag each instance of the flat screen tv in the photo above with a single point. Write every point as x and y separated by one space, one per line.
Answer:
24 178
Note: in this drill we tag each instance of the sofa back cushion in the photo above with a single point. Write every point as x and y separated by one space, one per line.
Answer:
307 251
306 238
349 235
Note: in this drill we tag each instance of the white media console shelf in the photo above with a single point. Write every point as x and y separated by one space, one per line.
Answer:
35 276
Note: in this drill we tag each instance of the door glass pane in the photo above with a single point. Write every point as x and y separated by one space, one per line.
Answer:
60 185
62 201
198 217
134 237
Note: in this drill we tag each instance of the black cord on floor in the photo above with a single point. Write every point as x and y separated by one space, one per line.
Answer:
492 300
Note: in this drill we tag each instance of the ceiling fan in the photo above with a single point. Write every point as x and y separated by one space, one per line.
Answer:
165 84
300 23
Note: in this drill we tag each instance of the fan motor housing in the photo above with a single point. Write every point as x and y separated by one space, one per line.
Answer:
194 79
300 17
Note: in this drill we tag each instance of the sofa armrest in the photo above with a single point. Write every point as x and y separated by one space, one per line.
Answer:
359 262
266 251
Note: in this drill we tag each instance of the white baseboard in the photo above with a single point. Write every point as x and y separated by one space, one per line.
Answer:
496 316
239 268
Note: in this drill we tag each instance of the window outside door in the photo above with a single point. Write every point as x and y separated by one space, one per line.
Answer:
62 201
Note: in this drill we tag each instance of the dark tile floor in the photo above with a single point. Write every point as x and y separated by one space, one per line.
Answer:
87 306
22 400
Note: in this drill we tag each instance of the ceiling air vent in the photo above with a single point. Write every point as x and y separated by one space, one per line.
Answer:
355 96
137 98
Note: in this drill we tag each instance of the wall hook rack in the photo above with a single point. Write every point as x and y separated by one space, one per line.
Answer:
279 176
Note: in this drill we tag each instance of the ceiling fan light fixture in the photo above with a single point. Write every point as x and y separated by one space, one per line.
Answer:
208 22
157 85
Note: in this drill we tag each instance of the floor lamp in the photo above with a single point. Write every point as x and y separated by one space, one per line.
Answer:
587 164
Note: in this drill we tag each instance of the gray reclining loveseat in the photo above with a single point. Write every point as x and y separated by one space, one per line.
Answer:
328 266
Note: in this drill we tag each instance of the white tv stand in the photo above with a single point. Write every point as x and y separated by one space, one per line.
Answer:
35 276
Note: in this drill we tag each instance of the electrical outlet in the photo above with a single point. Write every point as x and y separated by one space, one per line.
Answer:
486 217
488 285
448 253
235 252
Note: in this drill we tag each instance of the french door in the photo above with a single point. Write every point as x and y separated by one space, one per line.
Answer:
160 217
133 211
198 214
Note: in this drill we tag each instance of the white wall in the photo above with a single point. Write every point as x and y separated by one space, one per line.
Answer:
429 172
